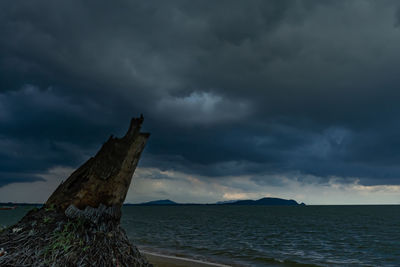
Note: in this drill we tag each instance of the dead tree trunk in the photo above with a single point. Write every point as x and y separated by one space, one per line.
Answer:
79 223
105 178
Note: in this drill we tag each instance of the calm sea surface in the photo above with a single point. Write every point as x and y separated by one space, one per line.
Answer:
264 236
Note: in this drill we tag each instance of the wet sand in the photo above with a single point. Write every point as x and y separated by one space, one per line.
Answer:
171 261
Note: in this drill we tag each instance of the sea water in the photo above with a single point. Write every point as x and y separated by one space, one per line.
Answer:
264 236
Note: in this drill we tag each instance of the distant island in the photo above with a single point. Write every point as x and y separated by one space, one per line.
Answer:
159 202
266 201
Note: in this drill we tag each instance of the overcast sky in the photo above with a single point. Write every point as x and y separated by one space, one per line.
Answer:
244 99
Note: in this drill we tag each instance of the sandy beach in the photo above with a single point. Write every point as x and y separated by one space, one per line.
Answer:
160 260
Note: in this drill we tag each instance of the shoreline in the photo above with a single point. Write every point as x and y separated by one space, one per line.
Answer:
160 260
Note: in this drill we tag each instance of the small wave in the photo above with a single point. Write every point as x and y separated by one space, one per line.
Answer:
281 262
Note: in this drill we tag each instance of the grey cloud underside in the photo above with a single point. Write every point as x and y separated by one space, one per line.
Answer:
227 87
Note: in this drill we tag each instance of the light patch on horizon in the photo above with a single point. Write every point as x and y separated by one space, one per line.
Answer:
153 184
385 189
239 196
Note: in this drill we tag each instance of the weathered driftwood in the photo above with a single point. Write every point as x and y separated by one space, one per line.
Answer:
80 223
105 178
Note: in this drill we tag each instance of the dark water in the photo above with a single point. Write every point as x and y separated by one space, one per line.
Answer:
266 236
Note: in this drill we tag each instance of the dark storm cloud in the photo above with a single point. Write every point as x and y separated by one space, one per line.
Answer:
227 87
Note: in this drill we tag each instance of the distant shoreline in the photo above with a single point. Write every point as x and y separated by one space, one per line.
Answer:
266 201
6 204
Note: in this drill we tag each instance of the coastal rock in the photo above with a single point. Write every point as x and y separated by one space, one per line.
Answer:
80 223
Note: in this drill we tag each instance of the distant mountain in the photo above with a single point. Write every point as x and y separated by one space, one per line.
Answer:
267 201
159 202
225 202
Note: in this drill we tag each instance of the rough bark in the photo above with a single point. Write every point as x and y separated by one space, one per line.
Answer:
80 223
105 178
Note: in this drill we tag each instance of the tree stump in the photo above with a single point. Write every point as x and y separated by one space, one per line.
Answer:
79 225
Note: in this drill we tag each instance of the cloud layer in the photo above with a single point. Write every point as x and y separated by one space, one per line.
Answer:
262 89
